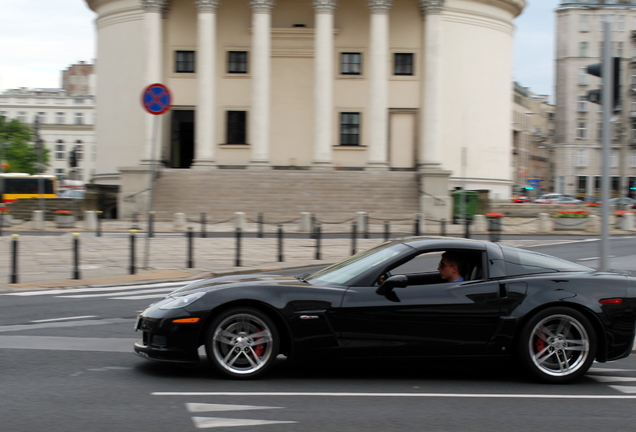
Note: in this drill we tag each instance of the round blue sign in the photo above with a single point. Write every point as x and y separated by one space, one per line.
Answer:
156 99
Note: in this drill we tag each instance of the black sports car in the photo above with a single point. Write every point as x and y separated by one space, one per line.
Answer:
552 316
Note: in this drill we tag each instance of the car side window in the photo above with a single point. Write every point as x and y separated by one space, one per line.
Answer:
423 269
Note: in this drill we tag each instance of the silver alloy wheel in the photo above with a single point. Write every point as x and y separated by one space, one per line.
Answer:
559 345
242 344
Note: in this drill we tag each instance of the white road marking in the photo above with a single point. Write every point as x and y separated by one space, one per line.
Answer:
98 289
156 290
203 407
607 379
624 389
407 395
213 422
65 319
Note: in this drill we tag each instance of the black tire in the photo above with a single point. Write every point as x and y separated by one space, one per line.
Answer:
557 345
242 343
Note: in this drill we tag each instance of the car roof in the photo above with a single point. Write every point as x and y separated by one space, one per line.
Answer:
439 242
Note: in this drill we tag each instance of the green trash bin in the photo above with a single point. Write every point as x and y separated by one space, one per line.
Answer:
464 203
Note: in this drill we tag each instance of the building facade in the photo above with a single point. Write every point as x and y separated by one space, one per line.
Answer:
578 134
309 84
532 139
65 120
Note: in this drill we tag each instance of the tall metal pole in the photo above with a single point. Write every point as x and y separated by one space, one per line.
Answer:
606 94
151 185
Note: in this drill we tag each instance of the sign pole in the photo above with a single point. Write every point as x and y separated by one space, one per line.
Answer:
156 100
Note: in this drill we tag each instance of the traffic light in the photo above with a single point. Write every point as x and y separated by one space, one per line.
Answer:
72 158
594 96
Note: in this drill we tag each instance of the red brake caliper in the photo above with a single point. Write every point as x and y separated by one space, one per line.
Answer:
259 349
539 344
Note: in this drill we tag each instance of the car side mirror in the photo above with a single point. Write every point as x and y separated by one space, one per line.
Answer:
396 281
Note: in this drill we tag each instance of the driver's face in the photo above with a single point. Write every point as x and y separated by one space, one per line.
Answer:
446 269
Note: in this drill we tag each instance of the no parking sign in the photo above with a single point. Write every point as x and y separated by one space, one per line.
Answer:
156 99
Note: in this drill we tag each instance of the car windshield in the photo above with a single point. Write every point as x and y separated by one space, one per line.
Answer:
347 270
523 262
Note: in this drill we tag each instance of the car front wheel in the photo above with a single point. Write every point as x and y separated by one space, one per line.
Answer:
557 345
242 343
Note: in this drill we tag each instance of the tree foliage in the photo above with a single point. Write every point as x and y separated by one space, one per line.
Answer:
17 153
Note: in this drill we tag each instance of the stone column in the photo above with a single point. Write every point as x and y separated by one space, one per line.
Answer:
378 120
206 79
154 9
323 86
259 117
431 100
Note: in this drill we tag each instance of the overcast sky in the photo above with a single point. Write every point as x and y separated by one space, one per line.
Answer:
40 38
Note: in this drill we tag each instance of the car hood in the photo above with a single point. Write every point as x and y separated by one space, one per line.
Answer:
224 282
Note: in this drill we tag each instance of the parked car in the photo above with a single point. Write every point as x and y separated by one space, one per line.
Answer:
551 316
520 199
623 201
548 198
567 200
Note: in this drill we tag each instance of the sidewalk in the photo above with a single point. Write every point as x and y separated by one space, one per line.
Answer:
46 260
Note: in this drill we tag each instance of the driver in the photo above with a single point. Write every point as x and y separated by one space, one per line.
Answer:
450 267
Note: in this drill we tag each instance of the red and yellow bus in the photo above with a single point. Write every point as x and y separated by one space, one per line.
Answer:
15 186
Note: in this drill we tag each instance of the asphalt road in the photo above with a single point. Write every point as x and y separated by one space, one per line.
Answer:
67 365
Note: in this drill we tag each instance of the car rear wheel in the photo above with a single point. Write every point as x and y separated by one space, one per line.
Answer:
242 343
557 345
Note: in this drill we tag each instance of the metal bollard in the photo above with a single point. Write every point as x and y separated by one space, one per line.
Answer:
354 235
135 221
190 235
260 225
442 224
1 222
366 226
76 272
98 230
387 230
204 233
151 224
417 227
280 243
237 261
494 228
13 277
132 251
467 228
318 238
312 227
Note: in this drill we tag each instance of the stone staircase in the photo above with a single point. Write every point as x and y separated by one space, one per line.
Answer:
284 194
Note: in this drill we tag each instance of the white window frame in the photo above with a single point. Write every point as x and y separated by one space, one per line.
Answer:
581 129
583 76
581 158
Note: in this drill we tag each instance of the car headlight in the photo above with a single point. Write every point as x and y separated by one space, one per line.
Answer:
184 301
